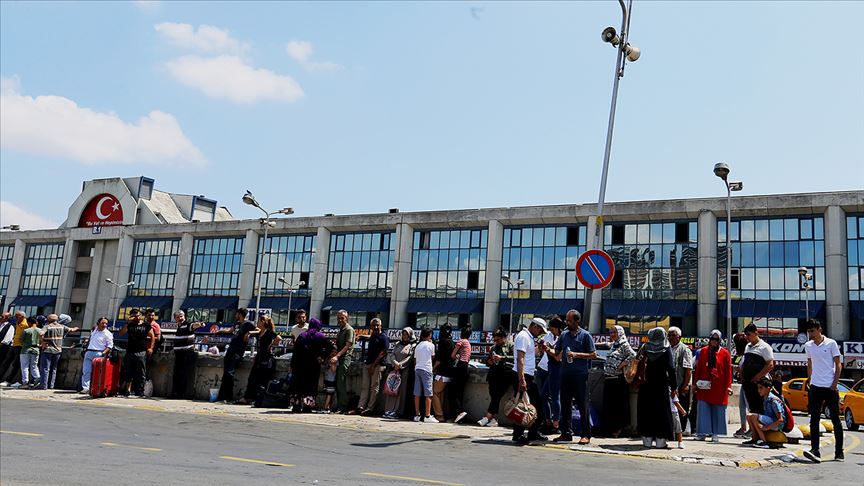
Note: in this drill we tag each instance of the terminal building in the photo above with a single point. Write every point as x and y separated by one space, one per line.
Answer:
428 268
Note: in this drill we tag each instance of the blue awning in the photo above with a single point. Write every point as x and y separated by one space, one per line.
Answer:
773 308
357 304
645 307
34 300
542 307
210 302
857 308
281 303
148 301
449 306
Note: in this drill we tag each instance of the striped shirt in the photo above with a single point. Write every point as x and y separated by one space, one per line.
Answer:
463 350
53 336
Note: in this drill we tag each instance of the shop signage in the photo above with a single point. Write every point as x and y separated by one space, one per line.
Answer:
853 355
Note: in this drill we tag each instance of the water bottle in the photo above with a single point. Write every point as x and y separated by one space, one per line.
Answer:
569 358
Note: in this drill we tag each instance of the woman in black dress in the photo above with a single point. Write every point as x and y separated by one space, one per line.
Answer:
264 364
654 417
310 350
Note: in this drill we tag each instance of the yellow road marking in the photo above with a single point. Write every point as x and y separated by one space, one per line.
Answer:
26 434
408 478
148 449
256 461
149 407
855 442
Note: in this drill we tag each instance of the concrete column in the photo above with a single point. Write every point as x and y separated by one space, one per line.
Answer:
184 269
492 299
122 271
67 277
837 321
594 304
94 300
247 270
16 271
319 272
404 253
706 312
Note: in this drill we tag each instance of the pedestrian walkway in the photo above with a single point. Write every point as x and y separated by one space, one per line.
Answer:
729 452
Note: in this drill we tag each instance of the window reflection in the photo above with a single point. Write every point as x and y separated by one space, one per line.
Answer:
545 257
449 264
288 256
42 264
5 267
154 267
216 266
361 265
855 256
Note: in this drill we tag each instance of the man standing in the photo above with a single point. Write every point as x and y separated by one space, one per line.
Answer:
52 347
300 325
525 365
823 371
344 353
139 346
758 361
682 359
100 344
575 349
13 358
184 353
7 333
376 351
234 353
30 338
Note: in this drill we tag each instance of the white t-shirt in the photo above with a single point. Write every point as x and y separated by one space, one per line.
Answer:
549 339
296 330
762 349
423 356
525 343
821 358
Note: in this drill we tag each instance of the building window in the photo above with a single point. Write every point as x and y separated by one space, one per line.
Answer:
290 257
42 264
855 255
5 267
449 264
216 265
766 255
545 258
653 260
154 267
361 265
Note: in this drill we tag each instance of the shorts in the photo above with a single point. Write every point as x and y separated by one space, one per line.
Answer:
422 383
329 387
766 420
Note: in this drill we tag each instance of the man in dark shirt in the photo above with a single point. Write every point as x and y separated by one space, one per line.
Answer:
575 349
139 346
234 353
376 352
184 353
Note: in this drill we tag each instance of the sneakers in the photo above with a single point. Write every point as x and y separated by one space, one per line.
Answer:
715 439
15 386
741 434
813 456
647 442
416 418
680 445
483 422
459 417
563 438
749 442
700 437
661 443
492 423
430 420
839 457
4 383
761 444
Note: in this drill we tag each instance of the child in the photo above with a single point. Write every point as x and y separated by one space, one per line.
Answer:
773 418
423 375
329 382
676 421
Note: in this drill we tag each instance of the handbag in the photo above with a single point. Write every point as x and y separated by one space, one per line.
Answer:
520 411
392 383
635 373
703 384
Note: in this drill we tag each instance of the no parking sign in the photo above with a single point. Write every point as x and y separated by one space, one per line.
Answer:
595 269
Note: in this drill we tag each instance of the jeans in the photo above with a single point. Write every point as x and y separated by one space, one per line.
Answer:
184 361
226 389
550 393
369 387
342 383
29 368
831 399
575 387
12 365
87 369
135 369
49 369
742 409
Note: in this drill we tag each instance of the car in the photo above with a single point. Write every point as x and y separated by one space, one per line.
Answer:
795 394
852 406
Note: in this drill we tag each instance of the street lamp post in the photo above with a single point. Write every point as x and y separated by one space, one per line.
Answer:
510 285
806 277
249 199
626 52
721 170
291 291
114 297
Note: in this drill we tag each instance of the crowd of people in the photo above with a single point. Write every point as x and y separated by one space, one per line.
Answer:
679 392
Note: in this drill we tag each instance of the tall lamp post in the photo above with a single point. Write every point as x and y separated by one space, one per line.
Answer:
721 170
806 277
626 52
510 285
291 291
267 223
114 297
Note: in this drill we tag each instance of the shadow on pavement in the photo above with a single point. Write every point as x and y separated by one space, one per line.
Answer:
379 445
625 447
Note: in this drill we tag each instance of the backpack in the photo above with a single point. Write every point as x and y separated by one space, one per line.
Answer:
788 419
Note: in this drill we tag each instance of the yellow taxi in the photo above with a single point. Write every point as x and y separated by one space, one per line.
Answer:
795 394
852 406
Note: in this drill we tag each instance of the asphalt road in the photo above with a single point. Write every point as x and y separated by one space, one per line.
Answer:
42 443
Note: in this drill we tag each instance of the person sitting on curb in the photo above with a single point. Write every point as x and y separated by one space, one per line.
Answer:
771 419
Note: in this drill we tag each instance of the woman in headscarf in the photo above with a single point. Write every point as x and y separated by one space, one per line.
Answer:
616 390
399 359
310 350
654 415
713 378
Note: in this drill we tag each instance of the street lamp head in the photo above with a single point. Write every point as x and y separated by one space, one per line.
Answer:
109 280
506 278
282 279
804 272
287 211
13 227
301 283
519 282
721 170
249 199
736 186
610 35
130 283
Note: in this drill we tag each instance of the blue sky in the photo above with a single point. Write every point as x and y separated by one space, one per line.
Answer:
354 107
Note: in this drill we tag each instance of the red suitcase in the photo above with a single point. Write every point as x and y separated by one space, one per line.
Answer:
105 379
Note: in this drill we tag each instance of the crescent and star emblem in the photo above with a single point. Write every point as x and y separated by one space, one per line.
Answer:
99 213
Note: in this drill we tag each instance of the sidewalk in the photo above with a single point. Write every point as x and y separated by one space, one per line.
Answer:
729 452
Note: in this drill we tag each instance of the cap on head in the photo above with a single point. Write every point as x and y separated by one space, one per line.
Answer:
540 322
64 319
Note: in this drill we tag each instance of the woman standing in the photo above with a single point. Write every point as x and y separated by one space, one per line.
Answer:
740 341
499 377
310 350
264 364
461 355
616 390
713 380
654 415
400 359
443 368
548 377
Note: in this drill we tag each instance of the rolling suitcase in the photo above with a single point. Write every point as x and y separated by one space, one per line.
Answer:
105 379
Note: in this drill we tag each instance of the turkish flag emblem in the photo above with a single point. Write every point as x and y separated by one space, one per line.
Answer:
102 210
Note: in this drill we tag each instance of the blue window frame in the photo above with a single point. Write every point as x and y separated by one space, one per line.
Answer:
449 264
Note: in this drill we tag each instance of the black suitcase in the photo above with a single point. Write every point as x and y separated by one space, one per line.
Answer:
275 394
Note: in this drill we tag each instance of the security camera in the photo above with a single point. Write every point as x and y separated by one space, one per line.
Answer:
611 36
632 52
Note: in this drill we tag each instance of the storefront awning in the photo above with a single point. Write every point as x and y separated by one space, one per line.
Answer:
446 306
210 302
626 307
772 308
281 303
542 307
357 304
34 300
148 301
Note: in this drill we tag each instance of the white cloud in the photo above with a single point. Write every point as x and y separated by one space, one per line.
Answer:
148 5
12 214
231 78
301 51
56 127
206 39
9 84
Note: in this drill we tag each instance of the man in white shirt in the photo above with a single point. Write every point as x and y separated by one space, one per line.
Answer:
758 361
100 344
525 364
300 325
7 332
823 370
423 375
